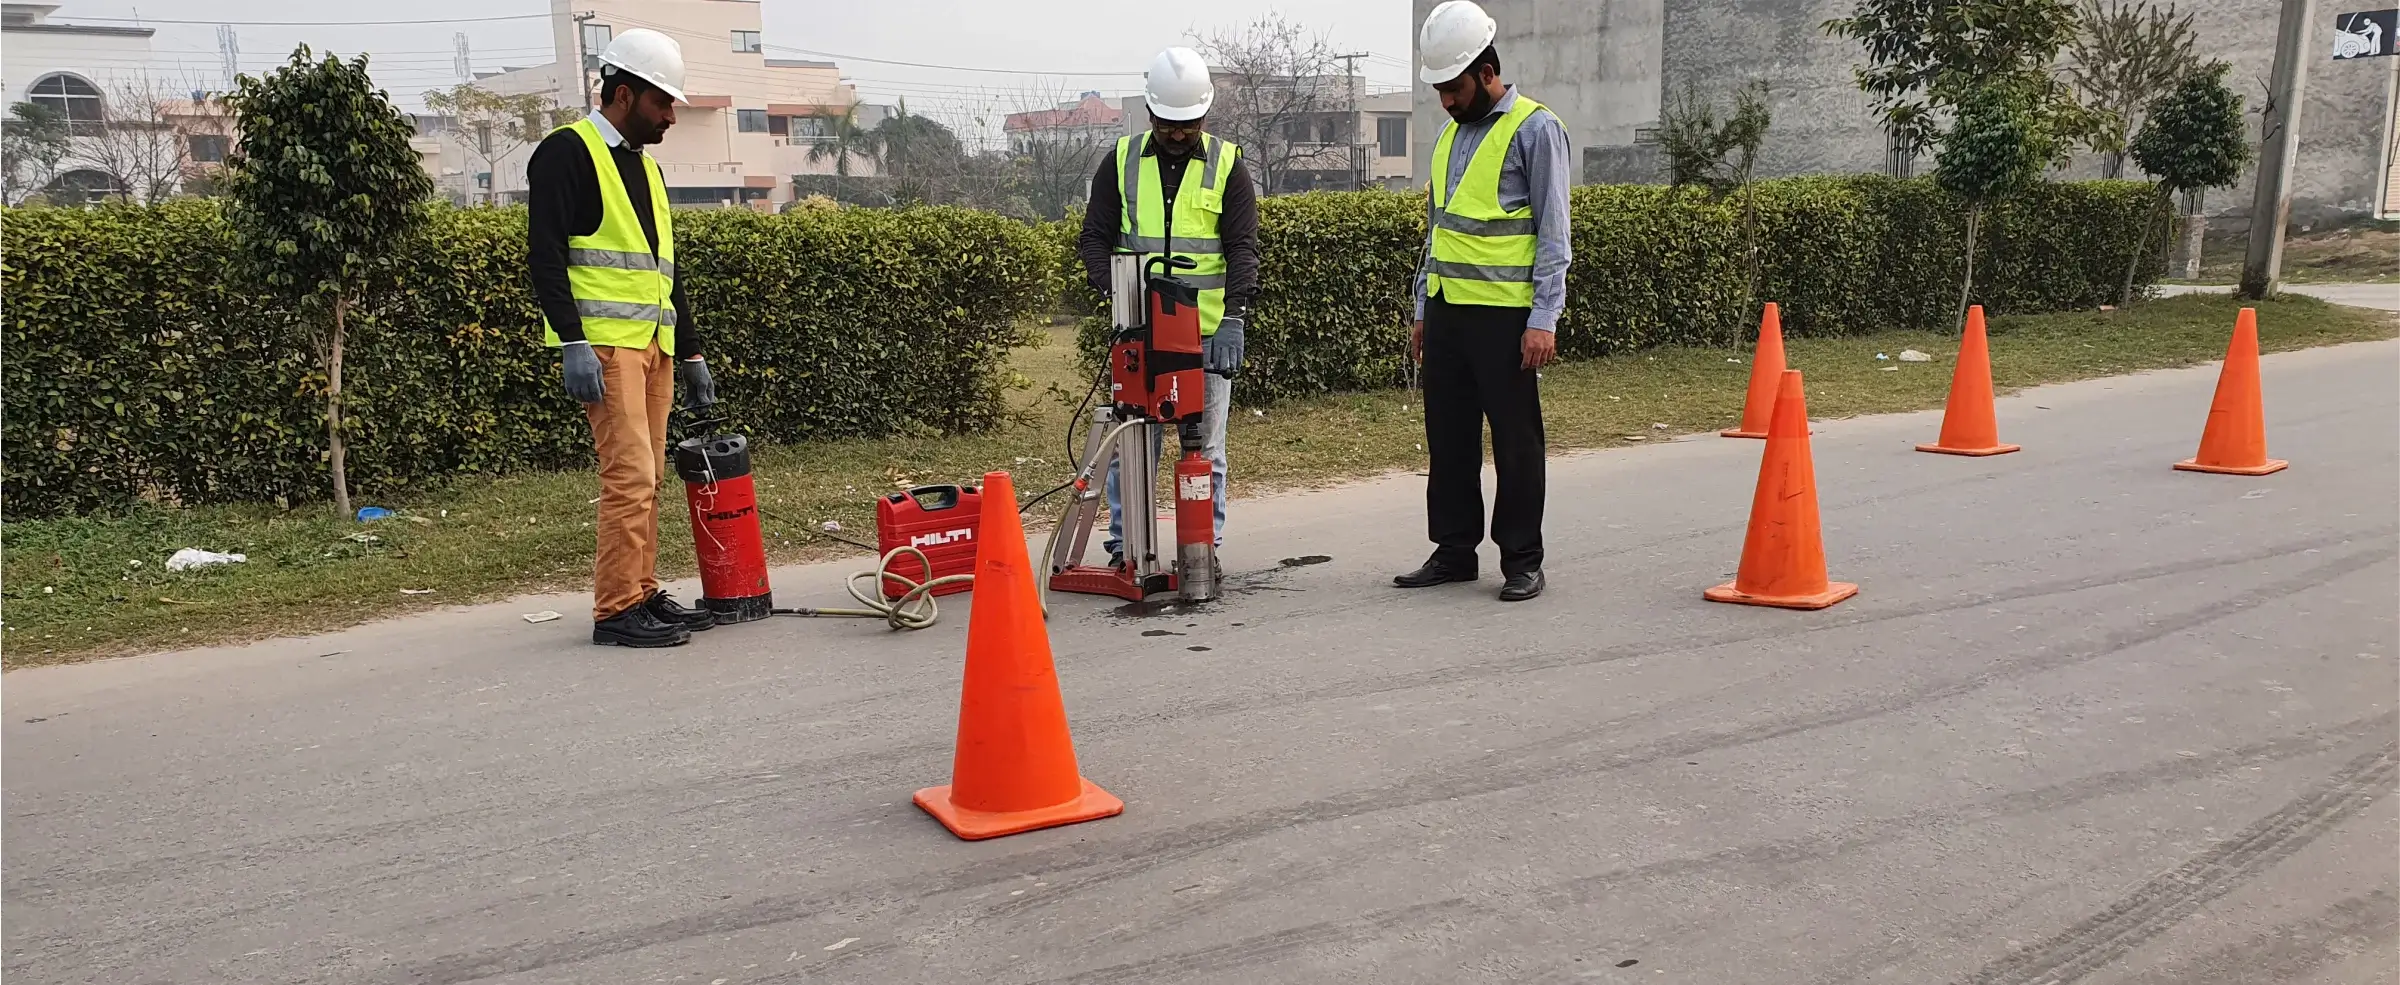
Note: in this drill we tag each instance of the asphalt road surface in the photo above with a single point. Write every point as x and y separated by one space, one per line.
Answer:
2089 720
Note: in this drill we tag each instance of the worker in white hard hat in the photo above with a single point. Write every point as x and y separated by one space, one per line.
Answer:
1490 285
601 247
1181 191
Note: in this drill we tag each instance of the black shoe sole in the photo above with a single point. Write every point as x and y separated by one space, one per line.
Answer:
602 638
1406 582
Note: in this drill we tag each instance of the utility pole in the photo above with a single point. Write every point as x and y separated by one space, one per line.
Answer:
2278 146
583 72
1350 119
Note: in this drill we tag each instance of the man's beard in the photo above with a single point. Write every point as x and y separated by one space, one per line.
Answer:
1480 108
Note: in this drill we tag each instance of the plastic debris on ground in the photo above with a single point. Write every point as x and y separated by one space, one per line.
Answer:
193 557
543 616
1913 356
366 513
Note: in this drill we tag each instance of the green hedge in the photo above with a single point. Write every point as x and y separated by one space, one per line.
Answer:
136 369
1658 266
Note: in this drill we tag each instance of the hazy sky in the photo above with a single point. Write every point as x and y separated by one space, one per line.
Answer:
1049 37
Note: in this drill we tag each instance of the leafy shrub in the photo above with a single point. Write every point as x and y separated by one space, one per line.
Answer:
136 368
1661 266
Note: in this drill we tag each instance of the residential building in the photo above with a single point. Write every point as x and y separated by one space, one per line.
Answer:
1087 119
745 134
1338 137
1608 68
138 125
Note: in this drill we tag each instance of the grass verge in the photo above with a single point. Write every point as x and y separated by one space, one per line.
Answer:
92 587
2366 252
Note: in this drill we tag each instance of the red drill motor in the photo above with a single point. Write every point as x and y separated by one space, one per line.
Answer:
724 505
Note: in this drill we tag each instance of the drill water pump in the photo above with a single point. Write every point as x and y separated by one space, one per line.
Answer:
717 487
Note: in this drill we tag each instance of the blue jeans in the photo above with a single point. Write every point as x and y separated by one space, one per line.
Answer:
1218 401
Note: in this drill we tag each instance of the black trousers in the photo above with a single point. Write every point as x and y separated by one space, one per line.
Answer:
1474 372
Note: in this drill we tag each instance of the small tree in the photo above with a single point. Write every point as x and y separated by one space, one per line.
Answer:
1719 155
33 141
2194 140
2126 56
492 125
1997 145
1926 57
323 190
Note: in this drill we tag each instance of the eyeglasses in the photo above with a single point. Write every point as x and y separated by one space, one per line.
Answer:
1178 129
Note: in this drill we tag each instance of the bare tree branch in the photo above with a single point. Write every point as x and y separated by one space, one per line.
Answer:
1058 147
490 125
1280 95
2125 56
136 144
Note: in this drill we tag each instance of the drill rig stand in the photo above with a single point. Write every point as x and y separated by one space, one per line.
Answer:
1155 381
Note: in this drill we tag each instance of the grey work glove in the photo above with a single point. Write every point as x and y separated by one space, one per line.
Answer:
698 389
581 367
1222 353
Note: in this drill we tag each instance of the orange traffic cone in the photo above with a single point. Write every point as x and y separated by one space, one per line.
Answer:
1766 371
1783 557
1014 770
1968 427
2235 441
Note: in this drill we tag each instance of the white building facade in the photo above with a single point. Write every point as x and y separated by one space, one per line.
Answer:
747 132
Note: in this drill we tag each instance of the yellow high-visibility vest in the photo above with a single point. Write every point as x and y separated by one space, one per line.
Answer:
1482 253
621 288
1199 201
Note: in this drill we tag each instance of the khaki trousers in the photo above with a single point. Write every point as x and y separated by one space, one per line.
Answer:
629 428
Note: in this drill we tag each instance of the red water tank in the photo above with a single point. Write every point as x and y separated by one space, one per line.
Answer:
943 522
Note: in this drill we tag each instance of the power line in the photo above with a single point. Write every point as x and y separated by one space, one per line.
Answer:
397 23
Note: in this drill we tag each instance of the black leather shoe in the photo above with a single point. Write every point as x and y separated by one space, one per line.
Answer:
1519 588
636 627
665 609
1432 574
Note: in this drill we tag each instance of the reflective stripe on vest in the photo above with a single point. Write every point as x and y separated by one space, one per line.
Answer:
621 289
1482 253
1199 202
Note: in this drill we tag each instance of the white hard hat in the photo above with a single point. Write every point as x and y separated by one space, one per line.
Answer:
1454 34
649 56
1177 87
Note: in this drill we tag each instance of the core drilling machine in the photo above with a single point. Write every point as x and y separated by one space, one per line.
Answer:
1155 380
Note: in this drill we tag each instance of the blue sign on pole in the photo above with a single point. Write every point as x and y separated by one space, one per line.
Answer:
2366 34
